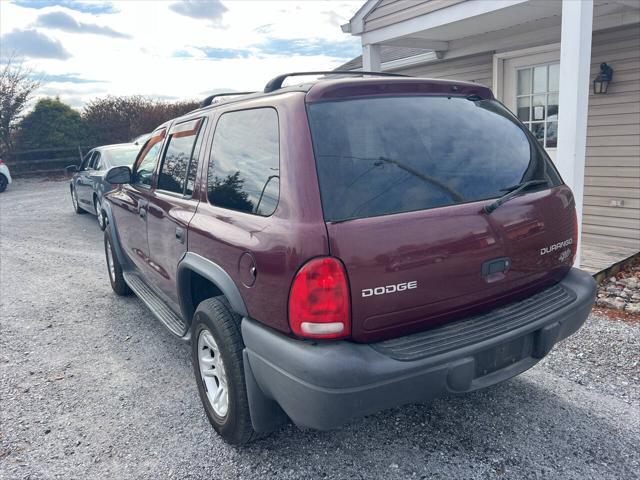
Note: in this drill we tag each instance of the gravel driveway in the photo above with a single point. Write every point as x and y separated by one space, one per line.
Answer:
93 387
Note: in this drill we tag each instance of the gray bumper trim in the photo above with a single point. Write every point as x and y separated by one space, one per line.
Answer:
323 384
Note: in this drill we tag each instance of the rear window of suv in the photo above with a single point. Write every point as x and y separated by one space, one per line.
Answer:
379 156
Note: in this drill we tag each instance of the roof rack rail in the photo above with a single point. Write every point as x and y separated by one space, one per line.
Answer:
276 82
209 100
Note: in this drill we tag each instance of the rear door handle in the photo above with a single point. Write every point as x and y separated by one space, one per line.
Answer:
180 234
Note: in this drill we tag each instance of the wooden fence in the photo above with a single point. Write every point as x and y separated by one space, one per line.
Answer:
43 161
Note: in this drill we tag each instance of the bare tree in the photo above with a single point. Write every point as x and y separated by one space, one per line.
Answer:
16 89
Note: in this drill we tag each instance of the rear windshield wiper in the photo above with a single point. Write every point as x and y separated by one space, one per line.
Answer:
512 192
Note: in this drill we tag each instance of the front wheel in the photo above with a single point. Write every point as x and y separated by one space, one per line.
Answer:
4 181
217 361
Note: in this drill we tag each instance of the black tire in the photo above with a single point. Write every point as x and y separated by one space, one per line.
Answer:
115 275
4 181
102 220
215 316
74 202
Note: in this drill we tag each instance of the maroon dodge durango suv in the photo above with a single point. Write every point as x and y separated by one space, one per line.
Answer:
337 247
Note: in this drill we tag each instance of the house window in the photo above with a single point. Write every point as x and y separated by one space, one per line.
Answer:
537 101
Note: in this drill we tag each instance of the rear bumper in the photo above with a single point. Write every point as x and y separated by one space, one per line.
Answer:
323 384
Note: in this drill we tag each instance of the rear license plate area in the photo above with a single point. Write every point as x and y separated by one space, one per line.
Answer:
504 355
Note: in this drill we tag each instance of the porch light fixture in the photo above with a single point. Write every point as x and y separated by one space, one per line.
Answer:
602 80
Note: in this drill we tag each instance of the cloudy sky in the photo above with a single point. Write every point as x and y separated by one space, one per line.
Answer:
171 49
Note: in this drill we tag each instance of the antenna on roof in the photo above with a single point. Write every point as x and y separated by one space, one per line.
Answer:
209 100
276 82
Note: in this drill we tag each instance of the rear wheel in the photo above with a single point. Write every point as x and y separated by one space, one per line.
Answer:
217 361
114 268
74 201
4 181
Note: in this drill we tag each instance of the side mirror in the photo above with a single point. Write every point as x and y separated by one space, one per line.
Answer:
118 175
71 169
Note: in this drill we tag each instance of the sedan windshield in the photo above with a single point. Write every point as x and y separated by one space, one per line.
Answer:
378 156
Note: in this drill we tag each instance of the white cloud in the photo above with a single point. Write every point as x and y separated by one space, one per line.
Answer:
31 43
172 54
66 22
200 9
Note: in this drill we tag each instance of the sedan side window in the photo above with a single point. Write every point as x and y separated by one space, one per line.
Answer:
94 164
97 163
148 159
85 161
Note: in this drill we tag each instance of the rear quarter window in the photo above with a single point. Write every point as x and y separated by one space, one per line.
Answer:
379 156
244 167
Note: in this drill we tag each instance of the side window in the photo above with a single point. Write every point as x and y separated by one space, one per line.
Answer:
244 168
147 160
85 160
178 157
95 161
193 165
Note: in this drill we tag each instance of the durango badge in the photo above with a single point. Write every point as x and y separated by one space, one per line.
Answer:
556 246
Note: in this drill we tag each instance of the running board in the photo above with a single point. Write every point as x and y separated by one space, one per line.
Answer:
158 307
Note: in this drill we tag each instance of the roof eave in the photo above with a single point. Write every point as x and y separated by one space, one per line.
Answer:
356 24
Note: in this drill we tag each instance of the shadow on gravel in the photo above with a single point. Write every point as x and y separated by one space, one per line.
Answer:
517 427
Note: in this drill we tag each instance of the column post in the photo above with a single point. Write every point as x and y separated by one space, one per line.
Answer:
575 62
371 58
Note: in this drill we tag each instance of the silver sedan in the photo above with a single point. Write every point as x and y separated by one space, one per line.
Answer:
88 184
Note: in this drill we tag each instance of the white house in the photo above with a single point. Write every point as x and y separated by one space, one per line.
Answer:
541 58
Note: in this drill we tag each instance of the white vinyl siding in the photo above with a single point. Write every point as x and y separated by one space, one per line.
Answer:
613 143
474 68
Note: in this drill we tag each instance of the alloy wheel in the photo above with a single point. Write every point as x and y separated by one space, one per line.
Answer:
213 373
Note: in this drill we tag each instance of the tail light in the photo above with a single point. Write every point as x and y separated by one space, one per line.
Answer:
319 304
1 162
